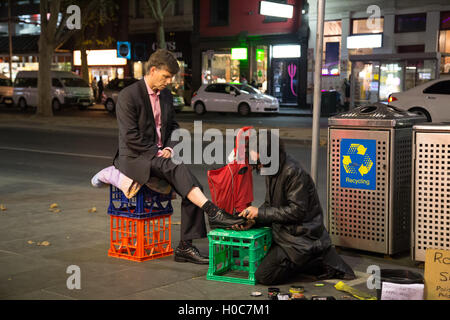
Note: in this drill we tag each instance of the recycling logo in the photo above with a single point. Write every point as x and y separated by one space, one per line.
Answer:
358 164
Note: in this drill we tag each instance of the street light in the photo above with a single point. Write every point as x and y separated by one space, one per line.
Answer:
317 92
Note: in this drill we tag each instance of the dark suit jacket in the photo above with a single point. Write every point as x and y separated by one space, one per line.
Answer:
137 130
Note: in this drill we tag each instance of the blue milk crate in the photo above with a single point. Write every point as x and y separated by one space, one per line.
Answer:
145 204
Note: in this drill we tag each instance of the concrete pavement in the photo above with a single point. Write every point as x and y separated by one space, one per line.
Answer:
75 236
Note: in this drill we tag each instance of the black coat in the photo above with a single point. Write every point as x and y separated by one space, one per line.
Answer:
137 130
292 208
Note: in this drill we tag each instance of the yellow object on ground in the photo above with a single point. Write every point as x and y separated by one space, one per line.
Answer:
354 292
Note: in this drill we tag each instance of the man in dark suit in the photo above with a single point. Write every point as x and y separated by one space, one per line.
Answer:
145 117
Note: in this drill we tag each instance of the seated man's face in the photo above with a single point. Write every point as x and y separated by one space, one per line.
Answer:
159 78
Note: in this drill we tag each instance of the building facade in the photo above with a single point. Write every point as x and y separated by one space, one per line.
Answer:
381 47
25 37
233 42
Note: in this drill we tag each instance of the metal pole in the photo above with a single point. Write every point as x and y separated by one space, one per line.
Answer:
10 39
317 92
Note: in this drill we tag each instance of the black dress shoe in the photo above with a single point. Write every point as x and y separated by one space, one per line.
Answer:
190 254
224 220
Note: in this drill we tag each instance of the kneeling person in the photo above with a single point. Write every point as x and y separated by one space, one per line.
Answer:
301 243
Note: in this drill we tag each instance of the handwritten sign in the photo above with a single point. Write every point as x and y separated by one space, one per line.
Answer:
437 274
396 291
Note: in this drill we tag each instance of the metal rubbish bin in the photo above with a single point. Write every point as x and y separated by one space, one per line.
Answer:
430 188
369 178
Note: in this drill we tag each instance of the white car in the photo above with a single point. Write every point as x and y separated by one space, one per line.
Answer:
231 97
431 99
67 89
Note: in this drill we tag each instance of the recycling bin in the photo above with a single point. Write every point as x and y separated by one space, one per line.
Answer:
430 188
369 178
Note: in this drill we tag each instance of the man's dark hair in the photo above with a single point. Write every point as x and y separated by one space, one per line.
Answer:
163 59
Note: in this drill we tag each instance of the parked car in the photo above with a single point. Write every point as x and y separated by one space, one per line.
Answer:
67 89
112 89
431 99
6 90
232 97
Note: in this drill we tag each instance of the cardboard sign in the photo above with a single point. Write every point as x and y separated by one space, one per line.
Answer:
396 291
437 274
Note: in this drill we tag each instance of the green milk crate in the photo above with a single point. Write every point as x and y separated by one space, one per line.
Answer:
234 256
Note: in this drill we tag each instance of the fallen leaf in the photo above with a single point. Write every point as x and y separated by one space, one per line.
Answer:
30 242
53 206
2 207
43 243
93 209
56 210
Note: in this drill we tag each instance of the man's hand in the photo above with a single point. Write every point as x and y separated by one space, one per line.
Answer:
248 224
166 153
251 213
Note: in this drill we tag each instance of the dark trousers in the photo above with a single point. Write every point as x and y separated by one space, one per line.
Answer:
193 224
276 268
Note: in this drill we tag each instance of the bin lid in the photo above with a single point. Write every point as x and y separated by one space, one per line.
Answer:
433 127
376 115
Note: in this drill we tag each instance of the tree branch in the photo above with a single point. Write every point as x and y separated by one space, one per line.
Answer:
55 6
167 5
152 8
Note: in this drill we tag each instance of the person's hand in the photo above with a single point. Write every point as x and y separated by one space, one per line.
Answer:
166 153
251 213
242 227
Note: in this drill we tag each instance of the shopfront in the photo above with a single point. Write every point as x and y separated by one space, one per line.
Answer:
102 64
375 77
30 62
273 69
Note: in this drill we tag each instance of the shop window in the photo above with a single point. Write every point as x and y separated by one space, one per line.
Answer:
445 20
178 8
219 12
332 44
411 48
138 12
410 22
442 87
444 41
365 26
268 19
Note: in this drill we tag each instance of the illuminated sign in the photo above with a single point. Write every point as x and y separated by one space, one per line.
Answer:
123 49
273 9
239 54
99 58
365 41
260 55
286 51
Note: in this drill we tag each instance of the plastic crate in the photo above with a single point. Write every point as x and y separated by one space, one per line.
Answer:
234 256
147 203
141 239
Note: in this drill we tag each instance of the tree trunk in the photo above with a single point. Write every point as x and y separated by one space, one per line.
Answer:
160 36
44 107
84 64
